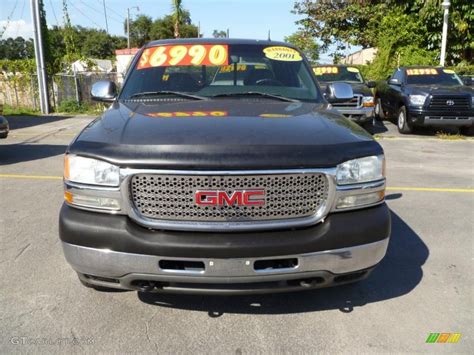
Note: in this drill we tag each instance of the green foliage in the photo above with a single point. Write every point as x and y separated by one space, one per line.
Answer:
177 14
71 106
140 29
219 34
363 23
306 44
144 28
16 48
163 28
19 111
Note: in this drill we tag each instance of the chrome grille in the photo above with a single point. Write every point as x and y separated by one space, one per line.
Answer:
172 197
458 102
356 101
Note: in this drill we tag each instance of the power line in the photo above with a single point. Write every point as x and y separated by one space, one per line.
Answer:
8 19
83 14
54 12
102 11
21 16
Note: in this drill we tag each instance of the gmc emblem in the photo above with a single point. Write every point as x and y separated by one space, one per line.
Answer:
238 198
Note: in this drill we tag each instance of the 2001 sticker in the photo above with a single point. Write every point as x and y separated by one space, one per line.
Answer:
285 54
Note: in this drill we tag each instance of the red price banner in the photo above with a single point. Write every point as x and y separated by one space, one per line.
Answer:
184 55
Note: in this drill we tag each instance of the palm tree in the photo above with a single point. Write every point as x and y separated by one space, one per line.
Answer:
177 15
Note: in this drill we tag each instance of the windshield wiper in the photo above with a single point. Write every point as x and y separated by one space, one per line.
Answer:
256 93
166 92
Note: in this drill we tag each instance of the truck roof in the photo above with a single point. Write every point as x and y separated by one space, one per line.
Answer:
217 41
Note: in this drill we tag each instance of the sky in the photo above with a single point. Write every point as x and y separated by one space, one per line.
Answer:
243 18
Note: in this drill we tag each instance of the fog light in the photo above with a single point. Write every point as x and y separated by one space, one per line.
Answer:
103 203
360 200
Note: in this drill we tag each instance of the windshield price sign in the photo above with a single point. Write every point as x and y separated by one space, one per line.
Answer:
325 70
184 55
422 71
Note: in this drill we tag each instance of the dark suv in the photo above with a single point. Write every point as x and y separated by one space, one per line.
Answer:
251 185
426 96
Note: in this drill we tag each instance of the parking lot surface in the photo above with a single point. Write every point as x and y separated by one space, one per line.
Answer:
423 286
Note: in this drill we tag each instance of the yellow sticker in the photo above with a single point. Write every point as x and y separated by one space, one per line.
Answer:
230 68
449 71
352 69
325 70
422 71
284 54
274 115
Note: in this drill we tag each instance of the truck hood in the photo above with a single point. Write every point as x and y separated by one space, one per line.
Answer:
223 134
412 89
357 88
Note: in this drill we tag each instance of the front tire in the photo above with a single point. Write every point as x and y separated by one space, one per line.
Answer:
467 131
404 127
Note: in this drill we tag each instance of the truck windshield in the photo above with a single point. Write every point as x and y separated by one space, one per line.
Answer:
338 73
222 70
432 76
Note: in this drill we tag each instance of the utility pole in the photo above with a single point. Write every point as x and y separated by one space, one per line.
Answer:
105 14
128 28
128 23
227 34
39 56
445 4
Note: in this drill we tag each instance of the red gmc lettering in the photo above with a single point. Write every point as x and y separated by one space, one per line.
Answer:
239 198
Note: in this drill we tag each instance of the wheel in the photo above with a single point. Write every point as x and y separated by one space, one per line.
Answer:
379 115
404 127
467 131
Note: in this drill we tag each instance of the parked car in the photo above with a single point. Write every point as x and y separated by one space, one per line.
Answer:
255 185
361 108
4 127
426 96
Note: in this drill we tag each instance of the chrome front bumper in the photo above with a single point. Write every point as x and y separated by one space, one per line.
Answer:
102 267
357 114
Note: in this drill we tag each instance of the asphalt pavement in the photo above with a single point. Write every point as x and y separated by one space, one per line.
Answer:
423 286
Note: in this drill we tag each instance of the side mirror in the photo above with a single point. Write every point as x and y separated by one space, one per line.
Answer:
104 91
394 82
371 84
467 80
339 92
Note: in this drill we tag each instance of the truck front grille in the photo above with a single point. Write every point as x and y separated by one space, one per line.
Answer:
172 197
450 103
356 101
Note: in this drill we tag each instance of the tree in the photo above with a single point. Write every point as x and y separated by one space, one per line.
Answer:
163 28
306 44
140 30
178 12
359 22
219 34
16 48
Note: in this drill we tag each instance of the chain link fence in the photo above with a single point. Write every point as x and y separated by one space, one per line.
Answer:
21 90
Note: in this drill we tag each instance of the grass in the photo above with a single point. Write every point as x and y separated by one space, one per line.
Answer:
66 107
450 136
19 111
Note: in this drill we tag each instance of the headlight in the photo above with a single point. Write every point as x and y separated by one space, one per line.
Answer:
361 170
417 100
90 171
368 101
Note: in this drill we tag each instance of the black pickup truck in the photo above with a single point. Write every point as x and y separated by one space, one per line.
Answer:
426 96
361 108
192 183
